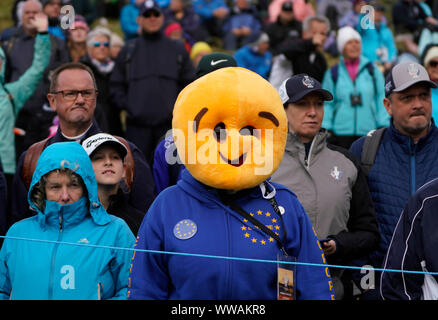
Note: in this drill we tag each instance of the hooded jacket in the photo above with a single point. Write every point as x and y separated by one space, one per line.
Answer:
61 251
20 90
140 196
190 218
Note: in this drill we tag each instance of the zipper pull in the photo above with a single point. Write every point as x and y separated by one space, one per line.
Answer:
60 222
99 291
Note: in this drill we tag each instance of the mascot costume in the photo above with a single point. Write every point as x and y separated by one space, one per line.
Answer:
205 233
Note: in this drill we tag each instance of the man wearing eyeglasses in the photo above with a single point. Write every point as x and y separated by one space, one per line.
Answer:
149 73
72 96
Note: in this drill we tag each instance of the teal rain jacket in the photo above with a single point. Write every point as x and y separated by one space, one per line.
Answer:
346 120
14 95
69 251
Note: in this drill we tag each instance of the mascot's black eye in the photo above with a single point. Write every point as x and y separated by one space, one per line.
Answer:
219 132
248 131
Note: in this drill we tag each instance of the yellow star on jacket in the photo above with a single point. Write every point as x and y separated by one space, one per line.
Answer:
256 238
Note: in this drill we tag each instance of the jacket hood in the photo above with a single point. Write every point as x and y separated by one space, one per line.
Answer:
72 156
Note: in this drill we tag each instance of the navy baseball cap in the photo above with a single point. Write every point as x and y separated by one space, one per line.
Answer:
300 85
149 5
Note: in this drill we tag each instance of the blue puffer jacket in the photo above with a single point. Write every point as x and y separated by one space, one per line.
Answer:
401 167
247 58
61 262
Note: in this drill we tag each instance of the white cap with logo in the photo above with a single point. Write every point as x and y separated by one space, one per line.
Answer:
92 143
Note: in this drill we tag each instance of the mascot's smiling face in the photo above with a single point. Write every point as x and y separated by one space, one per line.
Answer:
230 128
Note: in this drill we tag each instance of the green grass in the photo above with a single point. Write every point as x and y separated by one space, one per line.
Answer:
5 14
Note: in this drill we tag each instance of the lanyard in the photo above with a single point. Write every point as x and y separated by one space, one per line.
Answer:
260 225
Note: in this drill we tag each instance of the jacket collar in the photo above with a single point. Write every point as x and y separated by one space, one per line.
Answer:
59 137
55 214
406 141
363 61
294 146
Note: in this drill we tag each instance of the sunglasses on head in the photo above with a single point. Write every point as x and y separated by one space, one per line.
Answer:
151 13
98 44
433 63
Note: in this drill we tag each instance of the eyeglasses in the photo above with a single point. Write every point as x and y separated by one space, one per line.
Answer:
72 95
151 13
98 44
433 63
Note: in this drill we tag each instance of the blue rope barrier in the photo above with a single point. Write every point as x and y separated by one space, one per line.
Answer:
218 257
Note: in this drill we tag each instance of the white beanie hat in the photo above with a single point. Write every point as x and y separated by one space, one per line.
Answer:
346 34
432 52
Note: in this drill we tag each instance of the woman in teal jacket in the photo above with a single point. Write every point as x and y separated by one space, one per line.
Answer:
14 95
71 249
378 40
358 88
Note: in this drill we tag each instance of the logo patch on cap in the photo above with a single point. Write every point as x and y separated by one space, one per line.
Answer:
413 70
149 4
388 86
308 82
185 229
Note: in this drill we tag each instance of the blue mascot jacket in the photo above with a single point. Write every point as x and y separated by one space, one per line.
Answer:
189 219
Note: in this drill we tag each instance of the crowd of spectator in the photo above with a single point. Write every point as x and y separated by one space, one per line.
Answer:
79 81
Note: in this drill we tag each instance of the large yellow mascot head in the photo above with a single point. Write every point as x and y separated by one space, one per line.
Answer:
230 128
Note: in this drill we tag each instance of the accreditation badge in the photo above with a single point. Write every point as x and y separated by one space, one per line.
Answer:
286 277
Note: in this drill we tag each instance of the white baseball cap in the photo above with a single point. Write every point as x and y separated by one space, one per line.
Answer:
92 143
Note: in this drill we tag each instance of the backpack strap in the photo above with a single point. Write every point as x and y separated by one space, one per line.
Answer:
30 160
334 72
129 161
370 148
